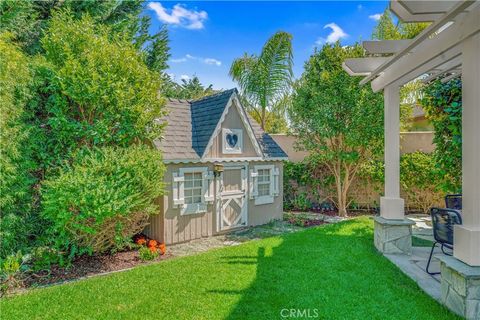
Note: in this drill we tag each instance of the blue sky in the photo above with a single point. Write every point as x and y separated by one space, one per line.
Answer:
205 37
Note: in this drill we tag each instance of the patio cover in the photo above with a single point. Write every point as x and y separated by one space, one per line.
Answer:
449 47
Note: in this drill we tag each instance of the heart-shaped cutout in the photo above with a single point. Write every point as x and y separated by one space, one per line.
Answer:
232 139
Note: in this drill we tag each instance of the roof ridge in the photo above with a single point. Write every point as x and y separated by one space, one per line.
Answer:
228 91
178 100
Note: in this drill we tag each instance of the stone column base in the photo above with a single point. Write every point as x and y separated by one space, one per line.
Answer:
393 236
460 287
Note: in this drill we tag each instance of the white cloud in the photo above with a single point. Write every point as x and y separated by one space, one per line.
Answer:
359 7
376 16
179 15
210 61
336 34
179 60
184 77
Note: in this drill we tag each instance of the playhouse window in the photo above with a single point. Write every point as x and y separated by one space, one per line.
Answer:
193 187
263 182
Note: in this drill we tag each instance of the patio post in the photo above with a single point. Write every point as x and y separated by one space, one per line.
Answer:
392 231
391 205
467 236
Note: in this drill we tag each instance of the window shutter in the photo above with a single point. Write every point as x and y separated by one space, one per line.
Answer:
253 183
276 181
177 192
208 186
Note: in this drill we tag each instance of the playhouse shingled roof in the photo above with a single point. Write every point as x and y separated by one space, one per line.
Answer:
191 124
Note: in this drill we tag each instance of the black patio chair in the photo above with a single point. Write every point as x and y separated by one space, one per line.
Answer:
453 201
443 221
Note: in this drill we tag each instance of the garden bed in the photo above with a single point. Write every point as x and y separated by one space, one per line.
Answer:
89 266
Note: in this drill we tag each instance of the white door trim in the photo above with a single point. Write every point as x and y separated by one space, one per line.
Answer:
232 196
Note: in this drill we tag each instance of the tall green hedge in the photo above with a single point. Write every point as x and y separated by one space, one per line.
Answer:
16 179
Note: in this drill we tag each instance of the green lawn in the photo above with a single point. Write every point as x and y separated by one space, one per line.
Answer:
334 269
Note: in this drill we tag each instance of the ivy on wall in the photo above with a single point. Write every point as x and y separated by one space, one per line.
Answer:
442 103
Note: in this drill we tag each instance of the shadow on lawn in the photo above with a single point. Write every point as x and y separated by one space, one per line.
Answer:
327 273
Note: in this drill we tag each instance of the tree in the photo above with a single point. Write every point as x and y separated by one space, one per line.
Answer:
275 121
28 20
93 89
336 119
410 92
190 89
264 80
386 29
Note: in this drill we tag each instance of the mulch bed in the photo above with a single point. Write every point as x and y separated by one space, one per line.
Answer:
87 266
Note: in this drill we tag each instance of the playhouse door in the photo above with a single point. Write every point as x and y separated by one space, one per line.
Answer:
232 200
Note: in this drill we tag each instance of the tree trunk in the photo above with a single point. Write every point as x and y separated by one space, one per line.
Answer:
263 119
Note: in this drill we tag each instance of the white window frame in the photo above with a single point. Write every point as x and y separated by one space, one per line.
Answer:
178 188
274 184
226 149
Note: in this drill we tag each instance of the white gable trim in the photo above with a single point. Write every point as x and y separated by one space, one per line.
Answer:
213 160
245 122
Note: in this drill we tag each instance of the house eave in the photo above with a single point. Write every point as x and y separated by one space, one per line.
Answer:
213 160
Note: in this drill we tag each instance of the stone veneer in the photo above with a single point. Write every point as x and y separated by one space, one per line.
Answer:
460 287
393 236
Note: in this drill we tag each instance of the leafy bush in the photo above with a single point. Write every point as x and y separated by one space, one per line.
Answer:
15 161
10 272
443 106
147 254
306 184
103 198
420 181
93 89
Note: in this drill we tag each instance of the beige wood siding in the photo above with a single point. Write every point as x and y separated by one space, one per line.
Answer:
155 229
172 227
232 121
261 214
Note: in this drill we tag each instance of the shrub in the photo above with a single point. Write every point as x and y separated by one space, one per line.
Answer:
15 162
147 254
10 272
420 181
103 198
305 184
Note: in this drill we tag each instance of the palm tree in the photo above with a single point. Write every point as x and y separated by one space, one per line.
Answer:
265 80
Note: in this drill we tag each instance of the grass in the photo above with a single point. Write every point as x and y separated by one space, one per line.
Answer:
334 270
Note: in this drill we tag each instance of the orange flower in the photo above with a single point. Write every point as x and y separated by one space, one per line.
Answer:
162 248
152 243
152 249
141 241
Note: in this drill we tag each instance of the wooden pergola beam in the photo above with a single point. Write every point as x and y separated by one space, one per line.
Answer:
428 52
424 35
385 46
